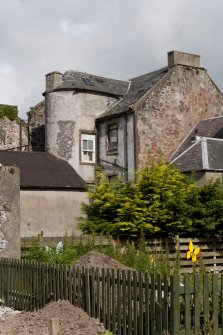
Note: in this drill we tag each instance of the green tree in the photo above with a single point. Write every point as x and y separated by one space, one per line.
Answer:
205 209
145 206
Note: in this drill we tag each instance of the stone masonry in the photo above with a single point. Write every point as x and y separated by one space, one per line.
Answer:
10 134
9 212
185 96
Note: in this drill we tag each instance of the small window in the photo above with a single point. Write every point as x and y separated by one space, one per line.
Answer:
87 148
87 81
112 137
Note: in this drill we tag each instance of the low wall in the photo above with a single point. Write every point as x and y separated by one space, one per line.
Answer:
54 213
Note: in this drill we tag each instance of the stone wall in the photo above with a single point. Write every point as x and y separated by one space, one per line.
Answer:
9 212
68 114
36 117
185 96
10 134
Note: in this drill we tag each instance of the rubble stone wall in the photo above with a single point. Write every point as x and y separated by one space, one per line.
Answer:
185 96
9 212
10 134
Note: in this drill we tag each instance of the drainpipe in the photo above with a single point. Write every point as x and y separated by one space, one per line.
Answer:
126 148
20 135
97 142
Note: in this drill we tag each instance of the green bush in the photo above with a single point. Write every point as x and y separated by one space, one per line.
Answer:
162 202
145 206
10 112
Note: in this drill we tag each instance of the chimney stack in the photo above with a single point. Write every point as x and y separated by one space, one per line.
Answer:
53 79
182 58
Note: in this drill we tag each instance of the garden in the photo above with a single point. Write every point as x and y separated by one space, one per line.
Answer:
149 260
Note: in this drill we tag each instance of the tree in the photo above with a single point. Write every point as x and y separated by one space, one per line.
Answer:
205 209
160 202
141 207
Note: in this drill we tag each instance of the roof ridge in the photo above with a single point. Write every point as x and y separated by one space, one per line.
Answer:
94 75
204 154
146 74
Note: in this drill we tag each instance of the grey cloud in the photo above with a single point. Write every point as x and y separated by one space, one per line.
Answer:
116 38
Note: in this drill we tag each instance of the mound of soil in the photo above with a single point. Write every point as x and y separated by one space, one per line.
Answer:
73 321
98 260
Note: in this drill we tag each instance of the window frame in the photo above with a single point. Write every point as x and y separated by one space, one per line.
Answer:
89 136
111 127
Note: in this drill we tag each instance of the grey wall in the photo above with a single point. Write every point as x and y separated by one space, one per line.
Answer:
68 112
123 159
9 212
53 212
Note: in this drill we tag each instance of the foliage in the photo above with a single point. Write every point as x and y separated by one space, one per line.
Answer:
161 202
10 112
136 256
205 209
141 207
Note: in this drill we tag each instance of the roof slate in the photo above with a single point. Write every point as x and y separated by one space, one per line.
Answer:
212 127
138 87
204 155
78 80
42 170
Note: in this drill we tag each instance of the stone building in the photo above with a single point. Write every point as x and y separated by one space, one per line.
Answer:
156 114
36 124
72 103
116 124
13 130
86 120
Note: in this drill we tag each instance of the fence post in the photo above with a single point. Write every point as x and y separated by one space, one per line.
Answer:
54 326
175 304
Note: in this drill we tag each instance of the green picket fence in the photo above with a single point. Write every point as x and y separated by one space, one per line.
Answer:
197 304
127 302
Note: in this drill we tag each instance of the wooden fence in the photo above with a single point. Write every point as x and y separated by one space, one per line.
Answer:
127 302
211 254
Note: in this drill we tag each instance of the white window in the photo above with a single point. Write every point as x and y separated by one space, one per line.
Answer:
87 148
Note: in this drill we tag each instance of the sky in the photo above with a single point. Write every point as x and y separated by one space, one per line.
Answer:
114 38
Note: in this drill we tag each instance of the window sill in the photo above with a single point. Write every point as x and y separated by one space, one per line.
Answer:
87 163
112 152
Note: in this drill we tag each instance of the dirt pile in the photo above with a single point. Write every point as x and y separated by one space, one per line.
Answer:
96 259
73 321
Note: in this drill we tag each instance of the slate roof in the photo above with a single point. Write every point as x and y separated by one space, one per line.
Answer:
88 82
205 154
138 87
42 170
212 127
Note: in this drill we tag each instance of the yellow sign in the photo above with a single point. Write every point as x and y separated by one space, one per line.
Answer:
192 253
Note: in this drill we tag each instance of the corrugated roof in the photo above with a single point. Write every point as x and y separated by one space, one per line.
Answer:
76 80
42 170
139 86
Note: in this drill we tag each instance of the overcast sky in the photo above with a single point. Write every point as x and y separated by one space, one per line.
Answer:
115 38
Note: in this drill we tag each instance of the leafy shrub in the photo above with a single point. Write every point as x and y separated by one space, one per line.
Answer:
10 112
145 206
